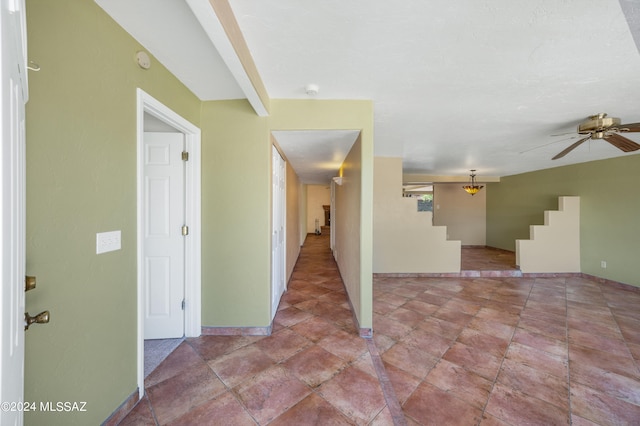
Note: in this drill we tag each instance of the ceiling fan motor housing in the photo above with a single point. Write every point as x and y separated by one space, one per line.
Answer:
596 125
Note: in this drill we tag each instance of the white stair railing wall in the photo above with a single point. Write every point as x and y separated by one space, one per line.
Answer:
555 246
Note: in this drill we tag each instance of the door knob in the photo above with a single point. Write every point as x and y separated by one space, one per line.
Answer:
41 318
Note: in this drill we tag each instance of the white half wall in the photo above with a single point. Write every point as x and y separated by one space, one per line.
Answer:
554 246
405 240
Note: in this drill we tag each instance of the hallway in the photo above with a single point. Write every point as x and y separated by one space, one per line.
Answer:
456 351
313 369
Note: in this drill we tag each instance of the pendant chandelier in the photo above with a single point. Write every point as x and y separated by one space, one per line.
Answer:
472 188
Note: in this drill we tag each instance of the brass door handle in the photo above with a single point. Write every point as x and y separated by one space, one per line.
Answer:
41 318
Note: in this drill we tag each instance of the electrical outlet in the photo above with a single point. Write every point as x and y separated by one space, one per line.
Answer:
603 264
107 241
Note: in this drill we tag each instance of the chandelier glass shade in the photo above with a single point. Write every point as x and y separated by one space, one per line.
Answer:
473 187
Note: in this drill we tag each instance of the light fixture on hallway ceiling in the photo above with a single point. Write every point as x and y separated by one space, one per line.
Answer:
473 186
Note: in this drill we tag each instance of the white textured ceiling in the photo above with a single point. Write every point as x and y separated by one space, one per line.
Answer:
470 84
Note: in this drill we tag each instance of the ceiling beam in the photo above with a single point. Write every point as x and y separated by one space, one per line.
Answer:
220 25
631 12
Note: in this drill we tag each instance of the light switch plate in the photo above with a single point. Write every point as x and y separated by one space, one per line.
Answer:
107 241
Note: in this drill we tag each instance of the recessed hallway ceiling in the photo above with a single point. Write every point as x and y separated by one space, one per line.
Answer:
480 84
303 148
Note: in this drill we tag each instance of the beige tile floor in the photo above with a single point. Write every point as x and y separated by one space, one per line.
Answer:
448 351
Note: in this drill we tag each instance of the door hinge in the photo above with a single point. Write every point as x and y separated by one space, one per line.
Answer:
183 304
185 230
185 156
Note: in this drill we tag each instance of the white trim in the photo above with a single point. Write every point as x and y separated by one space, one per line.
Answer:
278 214
193 322
332 217
284 230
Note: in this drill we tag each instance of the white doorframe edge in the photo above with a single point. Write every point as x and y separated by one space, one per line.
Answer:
193 308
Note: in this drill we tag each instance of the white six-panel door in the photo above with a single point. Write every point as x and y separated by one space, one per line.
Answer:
13 96
164 254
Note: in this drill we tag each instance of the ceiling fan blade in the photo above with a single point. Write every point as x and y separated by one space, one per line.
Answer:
631 127
546 144
622 143
571 148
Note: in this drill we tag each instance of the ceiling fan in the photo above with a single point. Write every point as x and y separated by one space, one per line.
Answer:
608 128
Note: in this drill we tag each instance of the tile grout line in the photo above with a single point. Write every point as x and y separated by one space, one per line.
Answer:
228 389
153 413
504 356
617 323
566 324
397 415
451 343
382 369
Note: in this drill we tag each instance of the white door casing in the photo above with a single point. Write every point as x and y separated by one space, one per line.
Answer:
14 95
147 104
332 216
278 204
164 217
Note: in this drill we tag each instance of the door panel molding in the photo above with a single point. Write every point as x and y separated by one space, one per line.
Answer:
149 105
164 216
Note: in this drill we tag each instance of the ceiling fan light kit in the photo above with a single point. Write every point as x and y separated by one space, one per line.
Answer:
472 188
600 126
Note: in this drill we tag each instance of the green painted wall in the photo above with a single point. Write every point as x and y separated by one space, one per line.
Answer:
236 202
609 206
81 179
236 219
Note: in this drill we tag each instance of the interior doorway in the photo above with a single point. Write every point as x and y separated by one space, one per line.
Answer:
152 114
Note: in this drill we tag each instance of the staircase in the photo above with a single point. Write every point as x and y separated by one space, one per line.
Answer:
555 246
